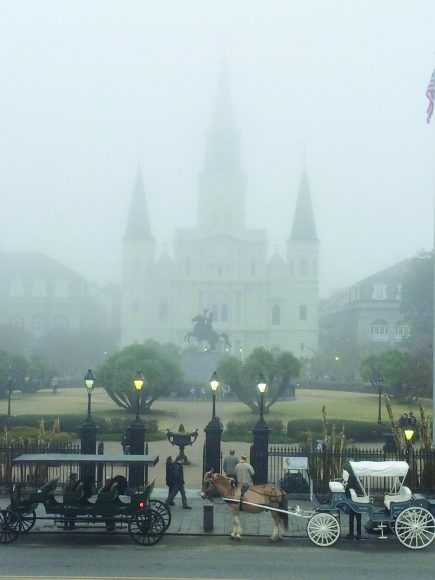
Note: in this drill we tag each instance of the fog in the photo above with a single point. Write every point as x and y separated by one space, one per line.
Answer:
91 89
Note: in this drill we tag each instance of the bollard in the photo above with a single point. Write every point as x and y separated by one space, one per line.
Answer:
208 518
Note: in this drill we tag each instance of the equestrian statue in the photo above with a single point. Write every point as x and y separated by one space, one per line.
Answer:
203 330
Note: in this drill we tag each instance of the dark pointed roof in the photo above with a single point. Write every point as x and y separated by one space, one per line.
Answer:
138 225
222 147
304 226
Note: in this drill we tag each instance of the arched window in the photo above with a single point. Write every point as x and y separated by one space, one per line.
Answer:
276 314
303 312
379 330
402 330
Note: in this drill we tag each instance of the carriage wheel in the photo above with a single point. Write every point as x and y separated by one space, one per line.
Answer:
24 522
8 528
323 529
415 528
146 527
162 509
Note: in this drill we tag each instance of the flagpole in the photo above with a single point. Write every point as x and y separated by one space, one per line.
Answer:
433 344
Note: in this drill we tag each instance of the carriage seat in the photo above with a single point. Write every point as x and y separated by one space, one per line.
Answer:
108 496
336 487
404 494
74 496
358 498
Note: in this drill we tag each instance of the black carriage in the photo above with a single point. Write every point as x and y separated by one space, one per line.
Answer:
117 505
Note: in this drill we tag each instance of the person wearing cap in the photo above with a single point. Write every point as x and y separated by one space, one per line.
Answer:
230 463
244 471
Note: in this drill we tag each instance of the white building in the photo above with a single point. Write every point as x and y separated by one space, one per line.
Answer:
222 265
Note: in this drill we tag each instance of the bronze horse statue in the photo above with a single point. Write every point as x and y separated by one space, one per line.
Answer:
256 498
203 330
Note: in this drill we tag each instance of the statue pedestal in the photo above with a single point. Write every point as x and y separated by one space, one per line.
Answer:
199 366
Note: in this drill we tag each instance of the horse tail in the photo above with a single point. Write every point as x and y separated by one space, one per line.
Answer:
283 505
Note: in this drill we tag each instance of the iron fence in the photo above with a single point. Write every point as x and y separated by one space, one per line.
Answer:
30 475
326 465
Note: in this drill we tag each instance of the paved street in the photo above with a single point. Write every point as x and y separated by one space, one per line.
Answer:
209 558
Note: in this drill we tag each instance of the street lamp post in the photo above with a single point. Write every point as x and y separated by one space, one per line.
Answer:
260 448
88 435
88 429
213 432
10 389
136 436
377 382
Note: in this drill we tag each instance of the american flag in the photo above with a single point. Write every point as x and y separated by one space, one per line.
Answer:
430 94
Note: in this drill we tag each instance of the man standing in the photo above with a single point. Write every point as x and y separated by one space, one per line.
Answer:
230 463
177 479
244 471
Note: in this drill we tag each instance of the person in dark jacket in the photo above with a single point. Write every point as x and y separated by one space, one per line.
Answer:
353 483
169 476
177 479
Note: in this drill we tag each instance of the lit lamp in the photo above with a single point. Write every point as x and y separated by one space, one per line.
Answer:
89 384
261 386
214 384
409 430
138 382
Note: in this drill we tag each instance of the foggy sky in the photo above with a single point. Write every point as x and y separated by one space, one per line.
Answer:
91 88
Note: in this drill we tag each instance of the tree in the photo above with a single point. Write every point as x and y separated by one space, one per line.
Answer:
409 374
243 377
417 301
158 363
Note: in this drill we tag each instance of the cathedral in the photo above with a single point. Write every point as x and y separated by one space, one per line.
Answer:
221 270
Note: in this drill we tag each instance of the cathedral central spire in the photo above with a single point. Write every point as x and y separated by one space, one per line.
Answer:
221 183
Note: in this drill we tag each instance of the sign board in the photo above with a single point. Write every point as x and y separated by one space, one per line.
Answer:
295 463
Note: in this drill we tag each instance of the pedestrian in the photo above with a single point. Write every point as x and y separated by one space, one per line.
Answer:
169 476
125 442
70 487
109 522
177 479
353 483
244 471
54 385
230 463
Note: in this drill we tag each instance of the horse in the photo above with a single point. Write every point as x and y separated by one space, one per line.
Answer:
203 330
268 495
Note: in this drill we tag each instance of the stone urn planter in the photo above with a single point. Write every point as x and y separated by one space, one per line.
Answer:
182 439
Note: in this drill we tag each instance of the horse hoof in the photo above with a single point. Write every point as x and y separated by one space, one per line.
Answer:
238 538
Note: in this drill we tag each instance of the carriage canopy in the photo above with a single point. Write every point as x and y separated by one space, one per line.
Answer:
379 468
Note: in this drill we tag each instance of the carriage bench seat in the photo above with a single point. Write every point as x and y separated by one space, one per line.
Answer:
404 494
336 487
72 497
357 498
105 497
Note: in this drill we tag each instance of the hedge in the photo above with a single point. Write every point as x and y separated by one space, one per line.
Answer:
354 430
71 423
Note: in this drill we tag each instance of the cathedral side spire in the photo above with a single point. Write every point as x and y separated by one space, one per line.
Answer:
304 226
138 225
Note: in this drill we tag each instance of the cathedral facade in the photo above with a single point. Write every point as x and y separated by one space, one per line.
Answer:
221 266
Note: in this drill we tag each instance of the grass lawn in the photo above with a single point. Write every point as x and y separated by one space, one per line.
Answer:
339 405
308 404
